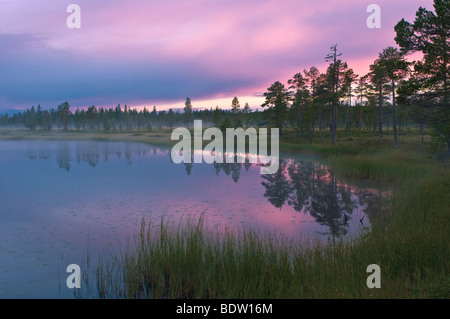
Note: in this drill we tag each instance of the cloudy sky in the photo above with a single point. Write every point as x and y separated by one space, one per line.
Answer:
158 52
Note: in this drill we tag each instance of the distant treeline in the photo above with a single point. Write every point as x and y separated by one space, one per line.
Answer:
124 119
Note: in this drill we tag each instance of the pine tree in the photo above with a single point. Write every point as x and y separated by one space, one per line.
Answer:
379 78
235 111
301 98
429 34
396 68
246 114
217 116
277 98
188 112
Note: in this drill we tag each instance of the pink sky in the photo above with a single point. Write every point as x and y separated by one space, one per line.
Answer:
160 52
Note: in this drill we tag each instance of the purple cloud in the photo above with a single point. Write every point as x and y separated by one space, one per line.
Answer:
149 52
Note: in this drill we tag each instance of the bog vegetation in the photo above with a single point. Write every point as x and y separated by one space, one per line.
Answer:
379 126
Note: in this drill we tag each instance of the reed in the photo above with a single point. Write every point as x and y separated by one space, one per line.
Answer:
189 260
409 240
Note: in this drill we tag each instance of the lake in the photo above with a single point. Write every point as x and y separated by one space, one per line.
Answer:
61 200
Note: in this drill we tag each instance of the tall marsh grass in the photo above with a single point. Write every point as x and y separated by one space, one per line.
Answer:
188 260
410 241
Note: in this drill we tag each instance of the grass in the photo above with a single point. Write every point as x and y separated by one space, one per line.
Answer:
409 238
188 260
155 138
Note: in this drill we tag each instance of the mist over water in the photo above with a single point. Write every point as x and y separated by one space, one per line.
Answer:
61 200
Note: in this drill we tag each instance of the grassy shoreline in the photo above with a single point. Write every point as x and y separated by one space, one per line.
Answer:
346 143
156 138
191 261
409 241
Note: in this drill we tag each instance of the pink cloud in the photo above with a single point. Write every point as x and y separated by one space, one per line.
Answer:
258 41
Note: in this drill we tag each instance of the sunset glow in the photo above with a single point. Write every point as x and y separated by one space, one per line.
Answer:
158 53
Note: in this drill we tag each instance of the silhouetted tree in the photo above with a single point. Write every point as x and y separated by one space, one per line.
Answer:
235 111
277 98
188 112
429 34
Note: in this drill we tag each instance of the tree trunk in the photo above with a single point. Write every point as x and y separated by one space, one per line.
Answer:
393 114
380 114
280 126
349 125
360 117
335 121
332 123
300 123
320 124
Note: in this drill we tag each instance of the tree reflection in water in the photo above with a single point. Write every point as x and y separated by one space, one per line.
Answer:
312 188
307 186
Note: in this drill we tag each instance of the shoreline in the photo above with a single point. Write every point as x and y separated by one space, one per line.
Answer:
408 240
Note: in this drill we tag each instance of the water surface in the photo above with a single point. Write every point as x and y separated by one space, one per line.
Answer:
60 200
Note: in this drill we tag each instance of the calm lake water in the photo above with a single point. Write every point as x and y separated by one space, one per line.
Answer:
60 200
